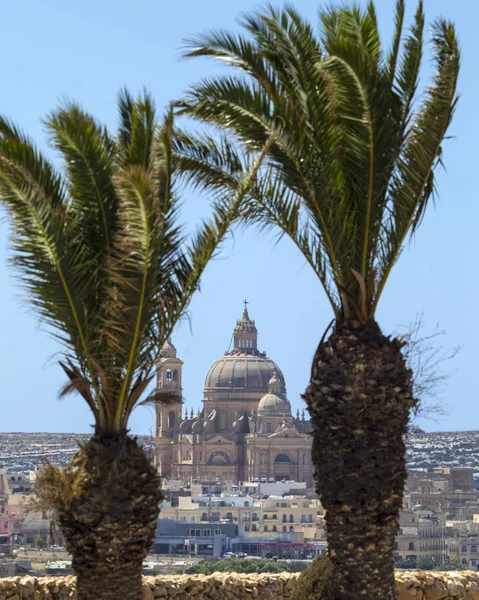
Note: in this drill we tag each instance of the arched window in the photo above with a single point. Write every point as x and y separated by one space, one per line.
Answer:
175 375
291 519
246 504
284 528
274 517
275 528
285 518
219 458
265 528
291 528
265 517
168 375
204 517
282 459
222 420
253 527
171 419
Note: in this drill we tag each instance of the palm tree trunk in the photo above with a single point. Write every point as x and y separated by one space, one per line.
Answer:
360 398
109 523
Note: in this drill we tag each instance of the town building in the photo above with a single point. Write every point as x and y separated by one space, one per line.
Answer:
421 537
245 430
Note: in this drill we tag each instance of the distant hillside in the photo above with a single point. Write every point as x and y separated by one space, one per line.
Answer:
445 449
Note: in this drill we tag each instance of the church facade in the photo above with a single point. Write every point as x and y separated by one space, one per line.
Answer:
244 430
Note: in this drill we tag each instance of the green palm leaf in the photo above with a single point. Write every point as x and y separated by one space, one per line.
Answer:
100 249
351 168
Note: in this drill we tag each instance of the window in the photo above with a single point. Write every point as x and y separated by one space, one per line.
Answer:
285 519
246 504
277 504
473 562
254 528
222 420
411 545
168 375
464 561
268 428
291 528
464 549
217 531
194 532
284 528
206 532
275 528
246 516
192 519
247 527
291 519
473 548
171 419
204 517
274 517
229 516
310 518
303 518
396 546
262 458
254 517
219 458
175 375
282 459
265 528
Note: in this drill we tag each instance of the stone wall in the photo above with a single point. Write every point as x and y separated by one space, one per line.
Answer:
232 586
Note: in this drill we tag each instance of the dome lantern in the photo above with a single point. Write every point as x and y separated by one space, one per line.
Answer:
245 334
274 385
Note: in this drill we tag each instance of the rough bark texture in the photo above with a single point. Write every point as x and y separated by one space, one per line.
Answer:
110 522
360 398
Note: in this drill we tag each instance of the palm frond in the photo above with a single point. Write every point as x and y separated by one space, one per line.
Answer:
349 143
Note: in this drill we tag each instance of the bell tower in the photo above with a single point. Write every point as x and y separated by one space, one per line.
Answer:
167 415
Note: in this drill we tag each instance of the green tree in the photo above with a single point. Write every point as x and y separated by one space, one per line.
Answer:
350 175
107 268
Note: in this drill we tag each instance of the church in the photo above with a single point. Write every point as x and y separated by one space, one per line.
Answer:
245 429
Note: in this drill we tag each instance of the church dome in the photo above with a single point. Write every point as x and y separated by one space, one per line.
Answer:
244 372
244 367
273 405
168 350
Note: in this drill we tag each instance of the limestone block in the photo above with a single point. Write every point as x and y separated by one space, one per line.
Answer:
147 593
436 591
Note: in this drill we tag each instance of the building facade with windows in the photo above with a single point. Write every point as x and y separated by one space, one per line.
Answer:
245 429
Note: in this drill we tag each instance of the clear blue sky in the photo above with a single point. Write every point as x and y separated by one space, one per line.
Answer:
86 51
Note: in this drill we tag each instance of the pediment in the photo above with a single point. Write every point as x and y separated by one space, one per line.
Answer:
219 439
289 432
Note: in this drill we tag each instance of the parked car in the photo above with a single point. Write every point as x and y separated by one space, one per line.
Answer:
230 555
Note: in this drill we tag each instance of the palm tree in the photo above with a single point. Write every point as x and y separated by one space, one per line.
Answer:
109 271
351 173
